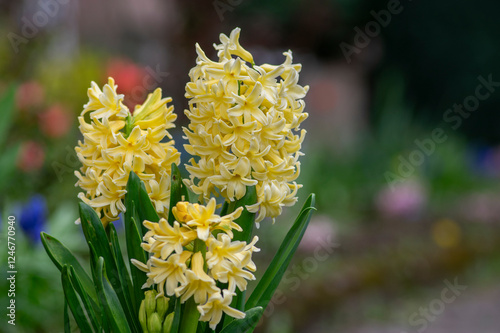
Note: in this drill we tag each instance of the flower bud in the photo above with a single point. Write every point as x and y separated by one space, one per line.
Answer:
150 302
180 212
154 323
167 324
162 306
143 317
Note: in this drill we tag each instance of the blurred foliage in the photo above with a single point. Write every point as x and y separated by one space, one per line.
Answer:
8 153
38 286
351 180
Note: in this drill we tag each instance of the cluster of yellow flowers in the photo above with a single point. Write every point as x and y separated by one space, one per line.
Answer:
244 127
116 142
187 258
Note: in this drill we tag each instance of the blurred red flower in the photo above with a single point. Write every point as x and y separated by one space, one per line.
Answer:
29 94
31 156
55 122
130 80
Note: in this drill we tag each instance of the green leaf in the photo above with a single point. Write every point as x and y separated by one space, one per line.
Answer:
225 207
176 323
274 273
74 301
135 251
131 200
190 317
251 319
90 307
67 327
93 265
178 191
247 220
202 326
6 112
60 256
125 280
109 300
136 192
94 232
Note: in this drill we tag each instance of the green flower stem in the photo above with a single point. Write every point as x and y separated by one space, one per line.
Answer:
190 317
189 320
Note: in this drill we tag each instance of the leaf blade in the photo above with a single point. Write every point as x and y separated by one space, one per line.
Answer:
178 191
109 300
95 233
73 301
246 219
251 319
87 303
125 281
274 273
60 256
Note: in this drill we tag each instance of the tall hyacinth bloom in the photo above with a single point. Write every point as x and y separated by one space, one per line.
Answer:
245 127
116 142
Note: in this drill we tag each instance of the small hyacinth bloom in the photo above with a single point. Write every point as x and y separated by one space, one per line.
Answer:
210 259
115 142
198 284
202 218
216 305
167 274
234 182
159 193
223 248
110 198
31 156
55 122
163 239
245 127
33 217
235 274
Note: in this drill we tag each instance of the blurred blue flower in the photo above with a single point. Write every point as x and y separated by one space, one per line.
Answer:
485 160
33 217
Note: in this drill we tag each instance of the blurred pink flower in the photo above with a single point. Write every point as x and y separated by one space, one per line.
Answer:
31 156
29 94
402 199
130 80
55 122
479 207
321 229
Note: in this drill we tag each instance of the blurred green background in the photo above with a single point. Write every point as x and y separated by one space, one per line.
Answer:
407 183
